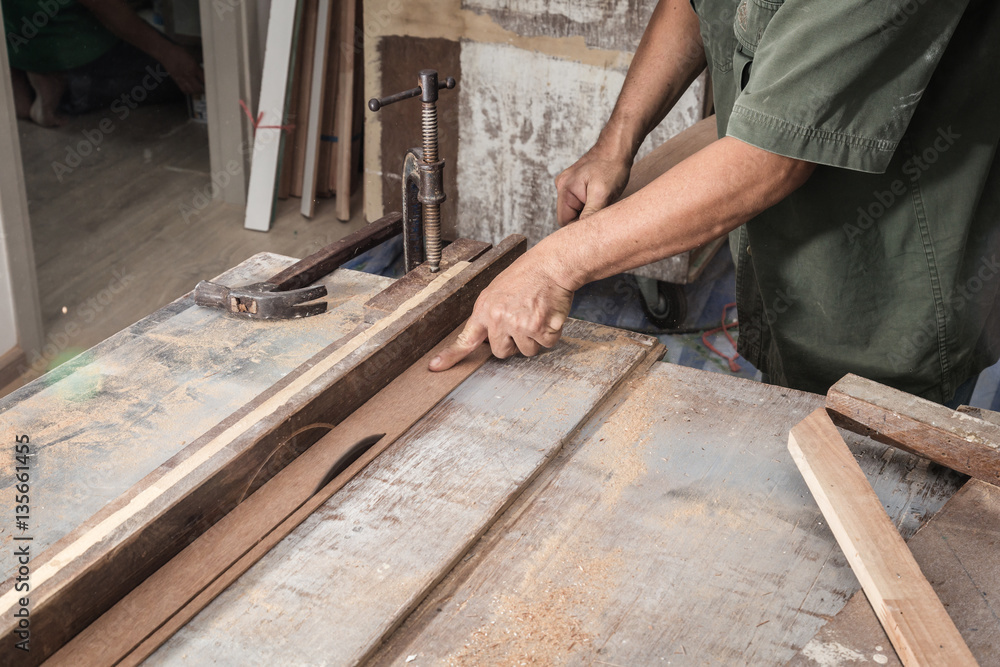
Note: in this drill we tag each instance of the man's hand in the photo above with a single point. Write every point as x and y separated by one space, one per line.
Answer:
522 310
118 17
589 185
184 70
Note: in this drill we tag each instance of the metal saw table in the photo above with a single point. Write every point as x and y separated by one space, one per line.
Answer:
556 510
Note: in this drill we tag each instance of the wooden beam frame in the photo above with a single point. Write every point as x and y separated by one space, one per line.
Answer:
18 281
232 56
955 439
88 571
908 608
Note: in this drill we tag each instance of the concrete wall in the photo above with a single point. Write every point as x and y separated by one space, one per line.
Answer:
537 81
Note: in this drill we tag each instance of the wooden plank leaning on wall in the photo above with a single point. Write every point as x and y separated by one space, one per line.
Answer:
274 97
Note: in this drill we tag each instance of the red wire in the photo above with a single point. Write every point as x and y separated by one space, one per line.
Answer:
256 121
733 366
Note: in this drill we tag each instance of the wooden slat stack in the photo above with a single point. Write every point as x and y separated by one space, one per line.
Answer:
293 179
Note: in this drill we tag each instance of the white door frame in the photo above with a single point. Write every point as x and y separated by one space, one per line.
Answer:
19 300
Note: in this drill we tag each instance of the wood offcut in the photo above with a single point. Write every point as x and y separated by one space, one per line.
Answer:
905 603
948 437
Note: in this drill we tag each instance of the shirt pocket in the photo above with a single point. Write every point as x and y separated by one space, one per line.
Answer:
749 24
715 19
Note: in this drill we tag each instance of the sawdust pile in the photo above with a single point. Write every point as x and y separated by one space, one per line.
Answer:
547 625
620 446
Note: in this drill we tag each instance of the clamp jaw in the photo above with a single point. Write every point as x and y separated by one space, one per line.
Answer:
423 182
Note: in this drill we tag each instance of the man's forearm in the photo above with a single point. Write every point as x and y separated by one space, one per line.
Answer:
704 197
669 57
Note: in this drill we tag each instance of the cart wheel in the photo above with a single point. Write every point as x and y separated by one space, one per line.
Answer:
670 308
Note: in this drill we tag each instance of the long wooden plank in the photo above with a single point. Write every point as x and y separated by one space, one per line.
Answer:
906 605
352 571
319 60
326 175
181 588
345 109
325 260
274 95
957 550
287 155
948 437
84 574
303 91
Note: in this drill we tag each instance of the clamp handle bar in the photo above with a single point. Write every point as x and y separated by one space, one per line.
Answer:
428 90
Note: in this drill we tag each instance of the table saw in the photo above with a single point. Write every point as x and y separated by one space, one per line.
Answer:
592 505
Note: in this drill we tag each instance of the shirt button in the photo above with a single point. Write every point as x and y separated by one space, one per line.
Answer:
748 251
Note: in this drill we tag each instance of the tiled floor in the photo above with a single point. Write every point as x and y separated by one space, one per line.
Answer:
615 301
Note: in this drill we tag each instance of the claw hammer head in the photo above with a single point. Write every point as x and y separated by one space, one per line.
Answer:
261 301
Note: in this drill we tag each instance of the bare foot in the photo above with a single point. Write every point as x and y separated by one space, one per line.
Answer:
49 89
23 93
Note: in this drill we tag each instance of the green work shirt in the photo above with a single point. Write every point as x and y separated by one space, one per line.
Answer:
53 35
886 263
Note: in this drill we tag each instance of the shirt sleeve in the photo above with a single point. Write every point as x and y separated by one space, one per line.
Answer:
835 82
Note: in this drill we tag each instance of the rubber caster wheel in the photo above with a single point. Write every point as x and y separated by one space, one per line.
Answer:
664 304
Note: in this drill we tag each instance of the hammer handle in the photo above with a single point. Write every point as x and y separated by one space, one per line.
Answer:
327 259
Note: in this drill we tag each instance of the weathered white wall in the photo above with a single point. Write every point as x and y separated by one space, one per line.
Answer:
526 116
538 79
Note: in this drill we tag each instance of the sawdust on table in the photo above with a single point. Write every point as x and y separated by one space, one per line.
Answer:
621 444
546 623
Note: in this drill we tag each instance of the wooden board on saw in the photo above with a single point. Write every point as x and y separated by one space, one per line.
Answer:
348 575
87 571
957 551
176 592
959 440
106 419
675 529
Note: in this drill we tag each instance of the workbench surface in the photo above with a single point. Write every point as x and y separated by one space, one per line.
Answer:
105 420
656 521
